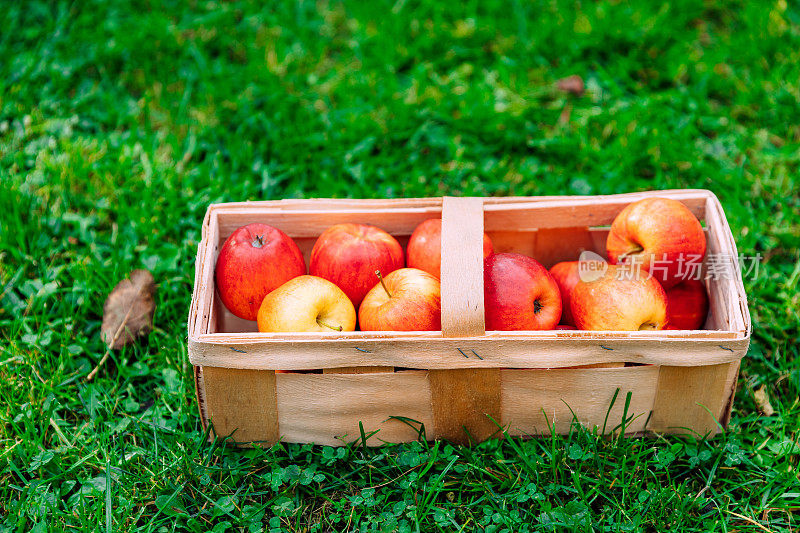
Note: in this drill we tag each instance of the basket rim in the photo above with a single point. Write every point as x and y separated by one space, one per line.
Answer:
735 340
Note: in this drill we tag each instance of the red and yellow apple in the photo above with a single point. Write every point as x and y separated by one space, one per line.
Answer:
568 273
349 254
519 294
623 299
657 234
407 299
425 247
255 260
687 305
307 303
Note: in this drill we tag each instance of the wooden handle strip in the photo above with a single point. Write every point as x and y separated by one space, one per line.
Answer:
462 267
242 403
462 401
466 404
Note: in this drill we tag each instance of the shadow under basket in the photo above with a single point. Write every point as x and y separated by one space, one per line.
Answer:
463 383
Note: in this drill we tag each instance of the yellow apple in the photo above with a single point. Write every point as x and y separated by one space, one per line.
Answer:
307 303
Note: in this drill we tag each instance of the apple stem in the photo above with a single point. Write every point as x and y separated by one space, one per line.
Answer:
258 241
625 255
325 324
378 273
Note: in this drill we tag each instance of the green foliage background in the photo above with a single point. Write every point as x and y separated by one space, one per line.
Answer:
121 121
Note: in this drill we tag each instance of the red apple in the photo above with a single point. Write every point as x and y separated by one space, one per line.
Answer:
425 247
566 276
307 303
620 300
687 305
661 236
349 254
253 261
405 300
519 294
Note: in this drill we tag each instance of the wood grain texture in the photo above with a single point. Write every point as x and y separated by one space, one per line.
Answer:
358 370
575 211
690 399
537 402
397 220
241 403
193 306
327 408
516 242
205 321
494 350
554 245
733 289
719 293
200 396
463 401
225 321
730 391
462 267
600 365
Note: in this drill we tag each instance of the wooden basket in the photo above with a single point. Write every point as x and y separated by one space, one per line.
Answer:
462 382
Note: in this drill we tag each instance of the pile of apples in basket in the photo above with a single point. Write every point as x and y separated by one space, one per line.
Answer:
357 277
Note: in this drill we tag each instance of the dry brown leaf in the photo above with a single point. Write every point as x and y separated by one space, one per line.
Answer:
565 114
128 311
762 401
571 84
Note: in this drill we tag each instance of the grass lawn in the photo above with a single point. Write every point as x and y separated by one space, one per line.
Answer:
120 122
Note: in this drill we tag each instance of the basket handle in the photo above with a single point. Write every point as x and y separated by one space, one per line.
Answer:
462 267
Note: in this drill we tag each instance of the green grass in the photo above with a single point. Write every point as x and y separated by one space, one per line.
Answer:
120 123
